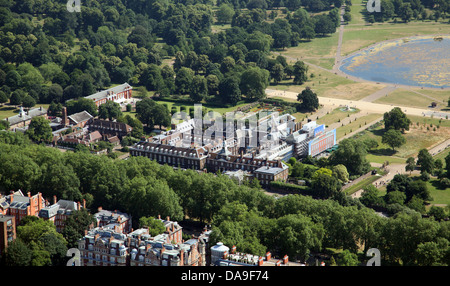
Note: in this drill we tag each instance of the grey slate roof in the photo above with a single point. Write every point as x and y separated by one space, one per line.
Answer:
104 93
23 116
80 116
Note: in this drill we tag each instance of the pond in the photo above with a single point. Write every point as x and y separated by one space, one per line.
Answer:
415 61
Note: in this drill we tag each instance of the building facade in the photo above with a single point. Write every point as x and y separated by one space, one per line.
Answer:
18 205
7 231
106 246
59 211
119 94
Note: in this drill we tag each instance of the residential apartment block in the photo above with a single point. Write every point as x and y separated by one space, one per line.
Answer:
7 231
116 220
18 205
59 211
221 255
105 246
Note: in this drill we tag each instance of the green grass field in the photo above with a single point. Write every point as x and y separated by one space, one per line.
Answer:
327 84
440 196
418 137
335 116
354 125
407 98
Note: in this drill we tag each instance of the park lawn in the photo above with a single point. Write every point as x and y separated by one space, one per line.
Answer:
380 159
440 196
406 98
442 156
361 36
427 121
328 84
335 116
319 47
357 11
355 124
326 63
8 111
441 96
361 185
418 137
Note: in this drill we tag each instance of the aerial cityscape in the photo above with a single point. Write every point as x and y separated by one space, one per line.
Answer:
224 133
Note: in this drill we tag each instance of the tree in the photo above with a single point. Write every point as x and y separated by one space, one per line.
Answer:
253 83
347 17
346 258
406 13
82 104
447 165
396 119
352 154
425 161
154 226
393 138
308 100
17 254
48 247
75 226
324 25
229 91
410 164
3 97
151 113
161 115
28 101
277 73
325 186
300 72
17 97
39 130
370 197
109 110
199 88
183 80
225 13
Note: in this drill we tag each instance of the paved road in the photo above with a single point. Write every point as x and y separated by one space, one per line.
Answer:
362 105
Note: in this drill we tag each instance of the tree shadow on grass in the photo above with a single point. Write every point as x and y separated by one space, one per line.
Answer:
383 152
437 185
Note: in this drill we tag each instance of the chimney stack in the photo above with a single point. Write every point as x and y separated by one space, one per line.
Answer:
260 261
54 199
268 256
29 194
278 263
285 259
233 249
65 120
84 203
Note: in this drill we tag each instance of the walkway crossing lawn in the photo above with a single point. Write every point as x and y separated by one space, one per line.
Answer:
335 116
355 124
361 185
418 137
442 155
380 159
